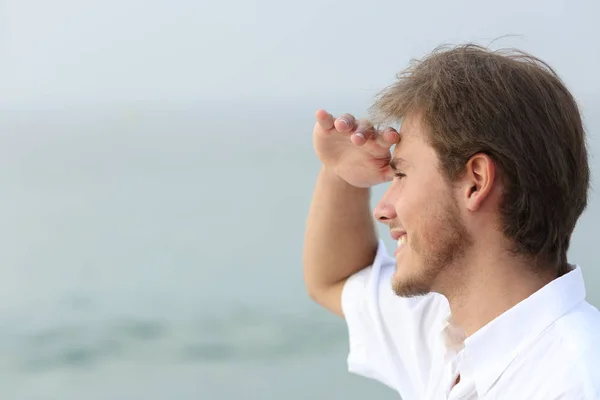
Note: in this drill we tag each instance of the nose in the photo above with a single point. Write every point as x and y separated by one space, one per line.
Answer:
384 211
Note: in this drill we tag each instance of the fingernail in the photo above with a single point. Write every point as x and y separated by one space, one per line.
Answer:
345 121
360 135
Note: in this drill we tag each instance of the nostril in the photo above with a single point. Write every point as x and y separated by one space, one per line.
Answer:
384 213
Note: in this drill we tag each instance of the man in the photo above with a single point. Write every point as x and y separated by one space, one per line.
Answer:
489 175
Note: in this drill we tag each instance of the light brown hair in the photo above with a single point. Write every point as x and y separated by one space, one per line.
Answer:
515 108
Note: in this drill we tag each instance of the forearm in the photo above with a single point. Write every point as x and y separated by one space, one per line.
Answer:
340 236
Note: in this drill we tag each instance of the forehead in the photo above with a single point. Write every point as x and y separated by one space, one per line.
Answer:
413 150
412 134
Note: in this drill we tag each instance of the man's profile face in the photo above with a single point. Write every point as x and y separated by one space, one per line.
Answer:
421 208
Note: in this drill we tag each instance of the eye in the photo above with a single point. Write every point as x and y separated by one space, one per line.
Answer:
399 175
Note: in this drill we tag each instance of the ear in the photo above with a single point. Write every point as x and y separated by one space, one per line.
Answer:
479 179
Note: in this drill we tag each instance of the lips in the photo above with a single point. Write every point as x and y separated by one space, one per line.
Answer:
397 234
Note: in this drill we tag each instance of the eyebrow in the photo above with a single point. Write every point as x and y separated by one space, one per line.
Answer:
394 162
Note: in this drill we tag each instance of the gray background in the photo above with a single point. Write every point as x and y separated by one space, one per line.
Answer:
156 167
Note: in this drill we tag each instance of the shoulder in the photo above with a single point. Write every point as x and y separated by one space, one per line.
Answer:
579 332
563 362
568 355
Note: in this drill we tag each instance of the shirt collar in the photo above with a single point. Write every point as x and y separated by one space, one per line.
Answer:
489 351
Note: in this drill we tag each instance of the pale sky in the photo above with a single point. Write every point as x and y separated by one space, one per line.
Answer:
109 54
98 53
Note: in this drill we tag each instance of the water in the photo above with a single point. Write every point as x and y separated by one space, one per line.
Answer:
156 253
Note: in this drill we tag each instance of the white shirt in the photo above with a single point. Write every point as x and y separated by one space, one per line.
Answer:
547 347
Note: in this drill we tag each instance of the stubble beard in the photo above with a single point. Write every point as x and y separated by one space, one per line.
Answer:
439 244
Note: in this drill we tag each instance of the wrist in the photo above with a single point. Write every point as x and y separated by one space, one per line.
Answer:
332 178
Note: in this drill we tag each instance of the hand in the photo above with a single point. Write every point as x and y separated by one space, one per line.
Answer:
353 149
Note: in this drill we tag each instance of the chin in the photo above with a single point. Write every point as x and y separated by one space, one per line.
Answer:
405 285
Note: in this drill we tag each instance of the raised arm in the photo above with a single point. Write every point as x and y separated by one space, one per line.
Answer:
340 236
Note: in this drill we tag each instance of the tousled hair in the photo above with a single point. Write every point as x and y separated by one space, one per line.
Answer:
515 108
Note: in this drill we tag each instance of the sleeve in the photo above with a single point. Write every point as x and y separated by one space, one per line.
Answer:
390 337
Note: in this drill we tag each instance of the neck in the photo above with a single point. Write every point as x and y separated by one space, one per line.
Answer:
490 284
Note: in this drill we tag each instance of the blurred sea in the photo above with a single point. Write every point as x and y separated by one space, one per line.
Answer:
156 254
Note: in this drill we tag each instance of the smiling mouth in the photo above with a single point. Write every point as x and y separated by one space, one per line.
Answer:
401 241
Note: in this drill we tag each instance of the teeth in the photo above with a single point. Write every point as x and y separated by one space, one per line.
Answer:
402 240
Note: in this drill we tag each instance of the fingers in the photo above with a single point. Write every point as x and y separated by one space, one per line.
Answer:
324 119
361 130
363 133
345 123
388 137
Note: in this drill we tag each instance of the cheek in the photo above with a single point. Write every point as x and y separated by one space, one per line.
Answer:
412 205
423 219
